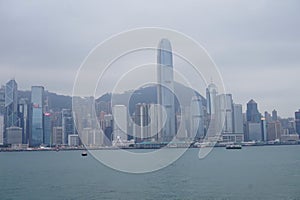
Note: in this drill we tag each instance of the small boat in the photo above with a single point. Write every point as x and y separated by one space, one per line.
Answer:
84 153
233 146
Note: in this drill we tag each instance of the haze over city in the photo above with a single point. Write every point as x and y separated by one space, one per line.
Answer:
254 44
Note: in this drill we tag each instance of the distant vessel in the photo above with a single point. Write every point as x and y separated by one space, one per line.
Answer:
233 146
84 153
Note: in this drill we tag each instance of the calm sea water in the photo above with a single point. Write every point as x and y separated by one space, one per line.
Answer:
267 172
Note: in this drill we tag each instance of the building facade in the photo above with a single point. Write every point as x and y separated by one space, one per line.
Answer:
165 90
36 126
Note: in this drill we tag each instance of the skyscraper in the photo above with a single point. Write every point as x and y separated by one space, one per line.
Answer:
254 131
11 106
67 124
197 118
165 90
274 115
23 114
36 124
252 112
47 129
120 122
224 104
11 103
141 122
211 93
238 118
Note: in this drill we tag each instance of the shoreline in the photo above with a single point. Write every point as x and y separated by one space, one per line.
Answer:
131 148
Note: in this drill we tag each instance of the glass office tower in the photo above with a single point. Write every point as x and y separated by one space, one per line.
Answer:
165 90
37 103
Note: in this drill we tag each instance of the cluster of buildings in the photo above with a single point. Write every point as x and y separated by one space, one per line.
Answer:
31 123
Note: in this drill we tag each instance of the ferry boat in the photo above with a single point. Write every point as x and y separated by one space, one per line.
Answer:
233 146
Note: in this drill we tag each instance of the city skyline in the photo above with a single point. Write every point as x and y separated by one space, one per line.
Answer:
254 44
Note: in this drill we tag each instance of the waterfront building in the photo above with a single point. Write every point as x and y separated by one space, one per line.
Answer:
274 131
154 125
211 94
24 116
14 135
47 129
73 140
254 130
36 126
67 124
252 113
225 106
197 118
91 137
141 120
11 103
57 136
120 122
238 127
165 89
107 127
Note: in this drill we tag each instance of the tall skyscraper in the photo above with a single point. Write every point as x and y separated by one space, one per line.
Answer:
47 129
273 131
36 124
23 114
141 122
11 103
254 128
297 121
120 122
108 130
252 112
238 118
274 115
57 136
11 106
67 124
165 90
211 94
224 104
197 118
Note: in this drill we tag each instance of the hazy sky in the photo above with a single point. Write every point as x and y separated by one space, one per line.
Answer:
255 44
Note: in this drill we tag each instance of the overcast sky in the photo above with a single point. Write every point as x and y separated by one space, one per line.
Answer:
255 44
